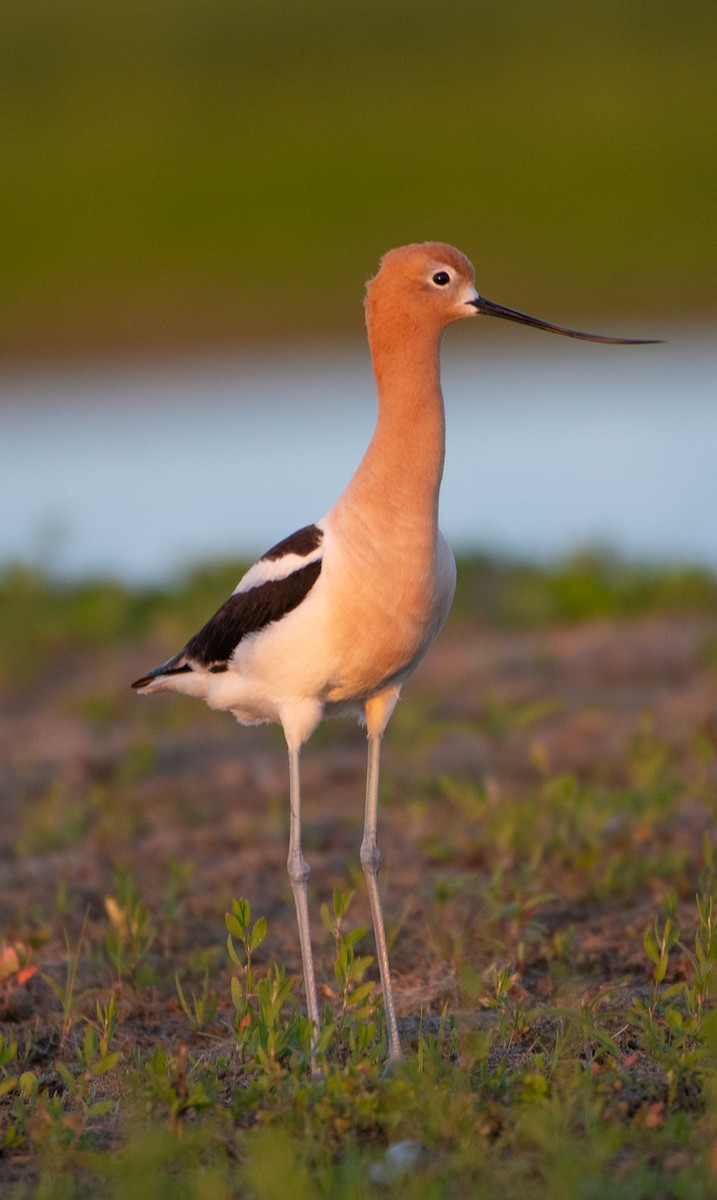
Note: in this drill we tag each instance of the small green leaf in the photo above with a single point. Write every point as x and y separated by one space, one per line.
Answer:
234 926
8 1051
258 933
99 1108
324 1039
355 935
237 994
361 993
28 1084
661 968
360 966
106 1064
231 951
677 989
341 901
606 1042
66 1075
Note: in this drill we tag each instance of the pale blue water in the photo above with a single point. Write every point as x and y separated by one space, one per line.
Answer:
139 470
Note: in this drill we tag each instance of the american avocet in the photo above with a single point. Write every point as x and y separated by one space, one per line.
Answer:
334 618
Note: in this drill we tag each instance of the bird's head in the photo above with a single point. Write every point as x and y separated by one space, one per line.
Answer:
430 283
433 284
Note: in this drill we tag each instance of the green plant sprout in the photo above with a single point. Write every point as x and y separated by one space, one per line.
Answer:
200 1007
349 992
65 992
132 932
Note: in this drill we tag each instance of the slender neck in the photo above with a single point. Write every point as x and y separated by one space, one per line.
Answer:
400 474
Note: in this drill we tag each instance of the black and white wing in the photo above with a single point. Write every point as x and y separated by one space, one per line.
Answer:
273 587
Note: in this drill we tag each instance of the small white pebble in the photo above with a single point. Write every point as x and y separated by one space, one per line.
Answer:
398 1160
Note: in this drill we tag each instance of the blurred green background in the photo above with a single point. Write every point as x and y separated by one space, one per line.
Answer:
199 172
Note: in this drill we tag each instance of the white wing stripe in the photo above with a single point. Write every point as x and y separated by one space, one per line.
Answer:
268 570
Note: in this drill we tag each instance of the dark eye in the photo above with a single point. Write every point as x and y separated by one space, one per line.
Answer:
441 278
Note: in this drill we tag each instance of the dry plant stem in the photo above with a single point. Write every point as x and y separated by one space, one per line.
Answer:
371 861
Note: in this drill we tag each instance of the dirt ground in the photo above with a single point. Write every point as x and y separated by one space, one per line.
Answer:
93 777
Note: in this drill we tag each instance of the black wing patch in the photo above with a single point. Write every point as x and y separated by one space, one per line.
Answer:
303 542
248 612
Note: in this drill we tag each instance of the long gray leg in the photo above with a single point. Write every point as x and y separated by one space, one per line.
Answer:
371 861
299 872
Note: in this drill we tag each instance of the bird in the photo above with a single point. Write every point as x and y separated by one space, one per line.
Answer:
333 619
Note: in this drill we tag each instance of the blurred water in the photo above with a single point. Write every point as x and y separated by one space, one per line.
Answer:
138 470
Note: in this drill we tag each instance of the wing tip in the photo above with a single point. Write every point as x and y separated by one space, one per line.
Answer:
159 674
143 682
